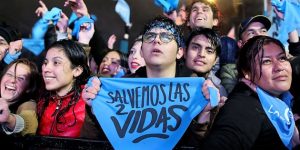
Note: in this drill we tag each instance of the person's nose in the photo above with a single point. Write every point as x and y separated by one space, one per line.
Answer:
278 66
157 39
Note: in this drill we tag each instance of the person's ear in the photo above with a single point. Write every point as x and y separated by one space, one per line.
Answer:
240 43
180 52
215 22
184 52
77 71
247 76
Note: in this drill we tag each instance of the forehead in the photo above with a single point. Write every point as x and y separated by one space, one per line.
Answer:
112 54
56 52
21 69
272 49
255 25
158 30
202 40
200 5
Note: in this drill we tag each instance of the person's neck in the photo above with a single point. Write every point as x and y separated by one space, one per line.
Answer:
64 91
161 71
201 74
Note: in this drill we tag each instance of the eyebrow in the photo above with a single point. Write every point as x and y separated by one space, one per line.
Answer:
57 57
282 53
20 75
255 29
206 47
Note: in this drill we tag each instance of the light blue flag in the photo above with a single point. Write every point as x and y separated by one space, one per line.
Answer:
36 46
291 20
41 26
147 113
79 22
122 8
167 5
280 114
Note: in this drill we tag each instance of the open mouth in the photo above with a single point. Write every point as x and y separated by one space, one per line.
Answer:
10 88
105 70
156 51
134 65
49 78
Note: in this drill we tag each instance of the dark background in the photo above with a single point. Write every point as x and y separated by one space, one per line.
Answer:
20 14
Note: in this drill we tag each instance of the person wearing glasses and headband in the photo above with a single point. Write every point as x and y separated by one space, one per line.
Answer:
161 50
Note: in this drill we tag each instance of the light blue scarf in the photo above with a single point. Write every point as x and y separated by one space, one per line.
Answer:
280 114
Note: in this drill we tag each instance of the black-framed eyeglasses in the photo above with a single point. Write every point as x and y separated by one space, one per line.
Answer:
164 37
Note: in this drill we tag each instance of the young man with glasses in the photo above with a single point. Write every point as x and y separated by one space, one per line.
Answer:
161 49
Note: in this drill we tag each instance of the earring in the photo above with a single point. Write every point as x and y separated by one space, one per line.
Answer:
247 76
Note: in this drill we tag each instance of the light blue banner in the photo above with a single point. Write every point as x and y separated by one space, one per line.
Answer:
290 21
147 113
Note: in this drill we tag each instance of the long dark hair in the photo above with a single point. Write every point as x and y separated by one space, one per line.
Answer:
77 56
30 93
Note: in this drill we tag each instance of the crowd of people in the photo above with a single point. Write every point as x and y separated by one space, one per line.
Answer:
47 93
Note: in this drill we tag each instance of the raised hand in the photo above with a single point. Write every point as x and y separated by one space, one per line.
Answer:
4 111
62 23
78 7
15 46
111 41
86 33
90 90
42 9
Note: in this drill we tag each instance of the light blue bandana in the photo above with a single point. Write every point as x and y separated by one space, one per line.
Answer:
148 113
280 114
79 22
167 5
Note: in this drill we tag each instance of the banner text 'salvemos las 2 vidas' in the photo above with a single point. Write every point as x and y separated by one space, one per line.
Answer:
147 113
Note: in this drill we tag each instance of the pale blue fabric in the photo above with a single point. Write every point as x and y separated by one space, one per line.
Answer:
122 8
280 114
40 27
79 22
131 122
167 5
291 20
36 46
9 57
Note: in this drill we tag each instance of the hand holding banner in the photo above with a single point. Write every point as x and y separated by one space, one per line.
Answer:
144 113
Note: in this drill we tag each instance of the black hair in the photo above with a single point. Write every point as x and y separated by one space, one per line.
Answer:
210 34
295 63
77 56
169 25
